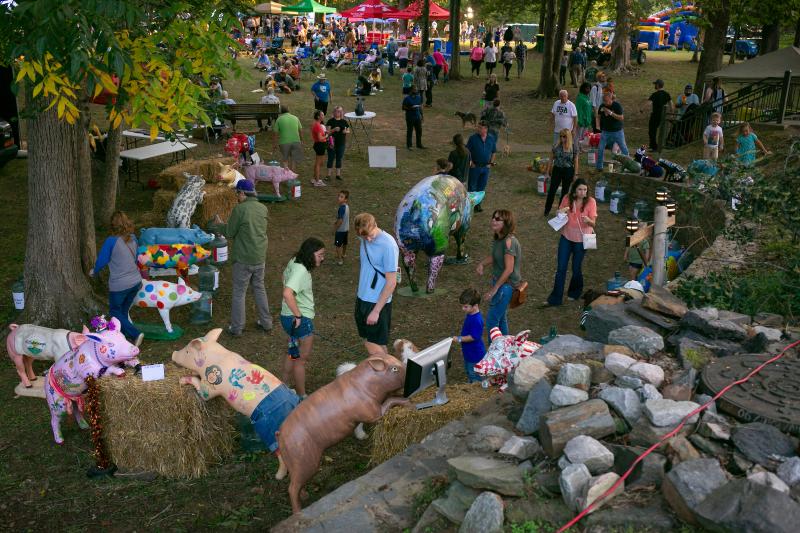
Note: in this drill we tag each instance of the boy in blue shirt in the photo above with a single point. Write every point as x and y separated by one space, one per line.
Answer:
471 338
341 226
322 93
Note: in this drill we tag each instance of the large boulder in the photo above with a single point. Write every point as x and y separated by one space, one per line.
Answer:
789 471
624 401
486 473
521 447
537 404
573 483
590 452
647 372
640 339
562 396
662 301
618 364
747 506
603 319
597 487
485 515
570 345
667 413
688 484
711 322
761 442
489 439
590 418
575 375
526 375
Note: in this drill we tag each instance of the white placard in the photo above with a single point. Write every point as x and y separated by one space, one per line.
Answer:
152 372
255 158
382 156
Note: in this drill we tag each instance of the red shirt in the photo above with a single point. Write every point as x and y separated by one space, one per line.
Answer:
575 227
318 132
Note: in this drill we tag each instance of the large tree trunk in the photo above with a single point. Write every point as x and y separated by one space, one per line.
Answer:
621 47
548 82
542 16
584 17
57 292
560 34
770 38
108 201
455 40
713 42
88 244
426 23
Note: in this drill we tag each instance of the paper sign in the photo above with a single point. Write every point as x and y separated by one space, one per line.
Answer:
382 156
152 372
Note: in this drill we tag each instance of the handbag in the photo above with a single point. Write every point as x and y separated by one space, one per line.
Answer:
520 295
589 239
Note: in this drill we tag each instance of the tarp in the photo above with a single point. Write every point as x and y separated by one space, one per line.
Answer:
371 9
308 6
414 11
771 65
268 8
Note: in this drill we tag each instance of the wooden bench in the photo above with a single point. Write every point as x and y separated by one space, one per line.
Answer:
234 112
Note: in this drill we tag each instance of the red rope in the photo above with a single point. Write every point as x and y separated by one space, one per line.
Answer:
672 434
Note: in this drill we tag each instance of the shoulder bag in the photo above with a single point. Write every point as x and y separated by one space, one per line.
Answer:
589 239
520 294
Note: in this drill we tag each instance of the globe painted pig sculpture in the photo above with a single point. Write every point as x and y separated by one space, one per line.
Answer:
28 342
101 354
164 295
273 173
504 354
327 416
193 235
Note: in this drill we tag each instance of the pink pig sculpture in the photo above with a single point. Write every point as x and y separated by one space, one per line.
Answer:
27 342
254 173
101 354
504 355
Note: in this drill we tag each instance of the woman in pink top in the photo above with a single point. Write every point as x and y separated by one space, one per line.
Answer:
582 213
440 61
476 57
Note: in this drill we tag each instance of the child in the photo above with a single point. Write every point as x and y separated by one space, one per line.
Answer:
471 338
713 138
637 257
341 226
746 143
375 79
408 80
443 166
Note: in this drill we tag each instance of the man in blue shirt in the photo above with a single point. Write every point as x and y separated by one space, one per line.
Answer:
322 93
577 64
482 149
412 105
391 51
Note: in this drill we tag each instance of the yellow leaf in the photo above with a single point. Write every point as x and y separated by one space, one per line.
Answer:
37 89
97 90
92 144
38 67
50 85
61 104
153 132
117 121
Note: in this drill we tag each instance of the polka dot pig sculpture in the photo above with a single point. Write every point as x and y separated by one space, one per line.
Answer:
164 295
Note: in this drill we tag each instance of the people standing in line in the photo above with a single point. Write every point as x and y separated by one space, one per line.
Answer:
471 338
119 252
297 311
402 54
610 120
482 150
506 262
476 58
421 77
338 128
408 80
491 90
490 56
322 93
563 115
412 105
391 52
247 227
459 159
596 94
713 138
658 101
341 226
562 168
562 69
521 51
581 211
320 138
746 143
376 283
289 137
585 113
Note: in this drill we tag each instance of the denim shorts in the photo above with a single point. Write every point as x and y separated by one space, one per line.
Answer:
271 412
296 334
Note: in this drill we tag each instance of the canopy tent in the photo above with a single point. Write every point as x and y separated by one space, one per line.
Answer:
414 11
371 9
772 65
268 8
308 6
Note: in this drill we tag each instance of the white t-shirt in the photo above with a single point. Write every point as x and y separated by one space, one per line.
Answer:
714 135
491 54
563 114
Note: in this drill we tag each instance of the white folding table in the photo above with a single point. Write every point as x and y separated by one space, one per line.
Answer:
134 136
362 127
135 155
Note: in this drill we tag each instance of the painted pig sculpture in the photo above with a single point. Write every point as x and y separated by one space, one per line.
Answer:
193 235
191 194
364 394
503 355
254 173
164 295
101 354
28 342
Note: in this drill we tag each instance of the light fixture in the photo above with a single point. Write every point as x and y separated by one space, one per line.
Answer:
662 195
672 206
632 225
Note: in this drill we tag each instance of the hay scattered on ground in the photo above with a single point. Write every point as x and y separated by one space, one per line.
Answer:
400 428
163 426
172 177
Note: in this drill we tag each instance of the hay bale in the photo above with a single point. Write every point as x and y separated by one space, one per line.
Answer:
163 426
219 199
172 177
162 201
399 428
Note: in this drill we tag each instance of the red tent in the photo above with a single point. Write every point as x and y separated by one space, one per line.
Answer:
371 9
414 11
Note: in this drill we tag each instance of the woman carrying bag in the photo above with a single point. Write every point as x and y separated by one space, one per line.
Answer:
562 168
577 235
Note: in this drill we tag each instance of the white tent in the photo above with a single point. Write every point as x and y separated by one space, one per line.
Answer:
769 66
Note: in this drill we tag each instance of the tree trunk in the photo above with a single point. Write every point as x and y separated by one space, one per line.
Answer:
108 202
57 292
426 22
770 38
797 33
87 237
548 82
455 40
558 42
582 29
542 16
697 45
621 47
713 42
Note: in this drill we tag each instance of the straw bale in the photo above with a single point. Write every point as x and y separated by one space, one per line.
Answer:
172 177
219 199
162 201
399 428
163 426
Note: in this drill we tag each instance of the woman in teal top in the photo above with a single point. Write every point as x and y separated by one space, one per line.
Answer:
746 143
297 310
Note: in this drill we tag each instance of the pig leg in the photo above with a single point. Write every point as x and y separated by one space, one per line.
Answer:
359 433
28 361
58 407
276 184
282 470
394 401
16 358
410 266
82 423
434 267
165 317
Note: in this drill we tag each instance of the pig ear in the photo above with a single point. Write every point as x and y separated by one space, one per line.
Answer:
117 325
85 330
377 364
522 336
197 344
214 334
80 339
181 282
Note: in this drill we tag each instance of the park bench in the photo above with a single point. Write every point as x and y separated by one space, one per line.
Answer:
234 112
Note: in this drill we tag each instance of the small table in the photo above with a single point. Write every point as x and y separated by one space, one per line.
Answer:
134 136
134 155
362 123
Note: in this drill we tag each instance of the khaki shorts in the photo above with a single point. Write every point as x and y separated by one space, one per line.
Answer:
292 151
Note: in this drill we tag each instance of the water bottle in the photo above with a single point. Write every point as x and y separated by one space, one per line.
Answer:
552 335
615 283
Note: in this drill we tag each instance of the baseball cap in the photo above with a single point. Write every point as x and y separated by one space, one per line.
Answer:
245 186
659 82
688 86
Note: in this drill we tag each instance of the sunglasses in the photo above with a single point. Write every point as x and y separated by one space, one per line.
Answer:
498 219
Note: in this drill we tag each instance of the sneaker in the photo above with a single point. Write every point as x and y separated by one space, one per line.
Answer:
139 339
232 333
422 147
266 328
339 263
339 178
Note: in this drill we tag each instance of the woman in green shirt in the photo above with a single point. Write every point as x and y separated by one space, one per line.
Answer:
585 112
297 311
505 260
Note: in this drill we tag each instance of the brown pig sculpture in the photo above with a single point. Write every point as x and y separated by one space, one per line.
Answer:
326 417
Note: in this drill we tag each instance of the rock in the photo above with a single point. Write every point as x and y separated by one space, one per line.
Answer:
527 374
653 374
590 418
709 321
707 445
551 360
639 339
633 516
590 452
686 377
694 354
703 399
789 471
662 301
575 375
688 484
521 447
667 413
736 318
618 364
758 442
597 487
485 515
649 392
624 401
573 482
603 319
489 439
537 404
569 345
714 426
563 462
600 374
772 334
647 473
486 473
739 464
678 393
745 506
756 344
629 382
455 503
768 479
769 320
562 396
618 348
526 468
679 449
644 433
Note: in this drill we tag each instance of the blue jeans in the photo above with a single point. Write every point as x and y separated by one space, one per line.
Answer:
270 413
119 303
391 64
478 178
296 334
565 249
336 152
607 139
498 307
472 376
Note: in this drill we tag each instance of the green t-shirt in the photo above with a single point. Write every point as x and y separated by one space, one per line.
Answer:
288 127
499 252
585 111
633 254
298 278
408 79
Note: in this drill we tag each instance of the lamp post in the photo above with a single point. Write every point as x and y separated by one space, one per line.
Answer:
660 224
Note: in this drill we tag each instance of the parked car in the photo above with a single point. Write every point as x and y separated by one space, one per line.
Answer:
745 48
8 150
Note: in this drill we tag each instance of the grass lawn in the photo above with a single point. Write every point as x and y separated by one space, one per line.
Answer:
45 485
